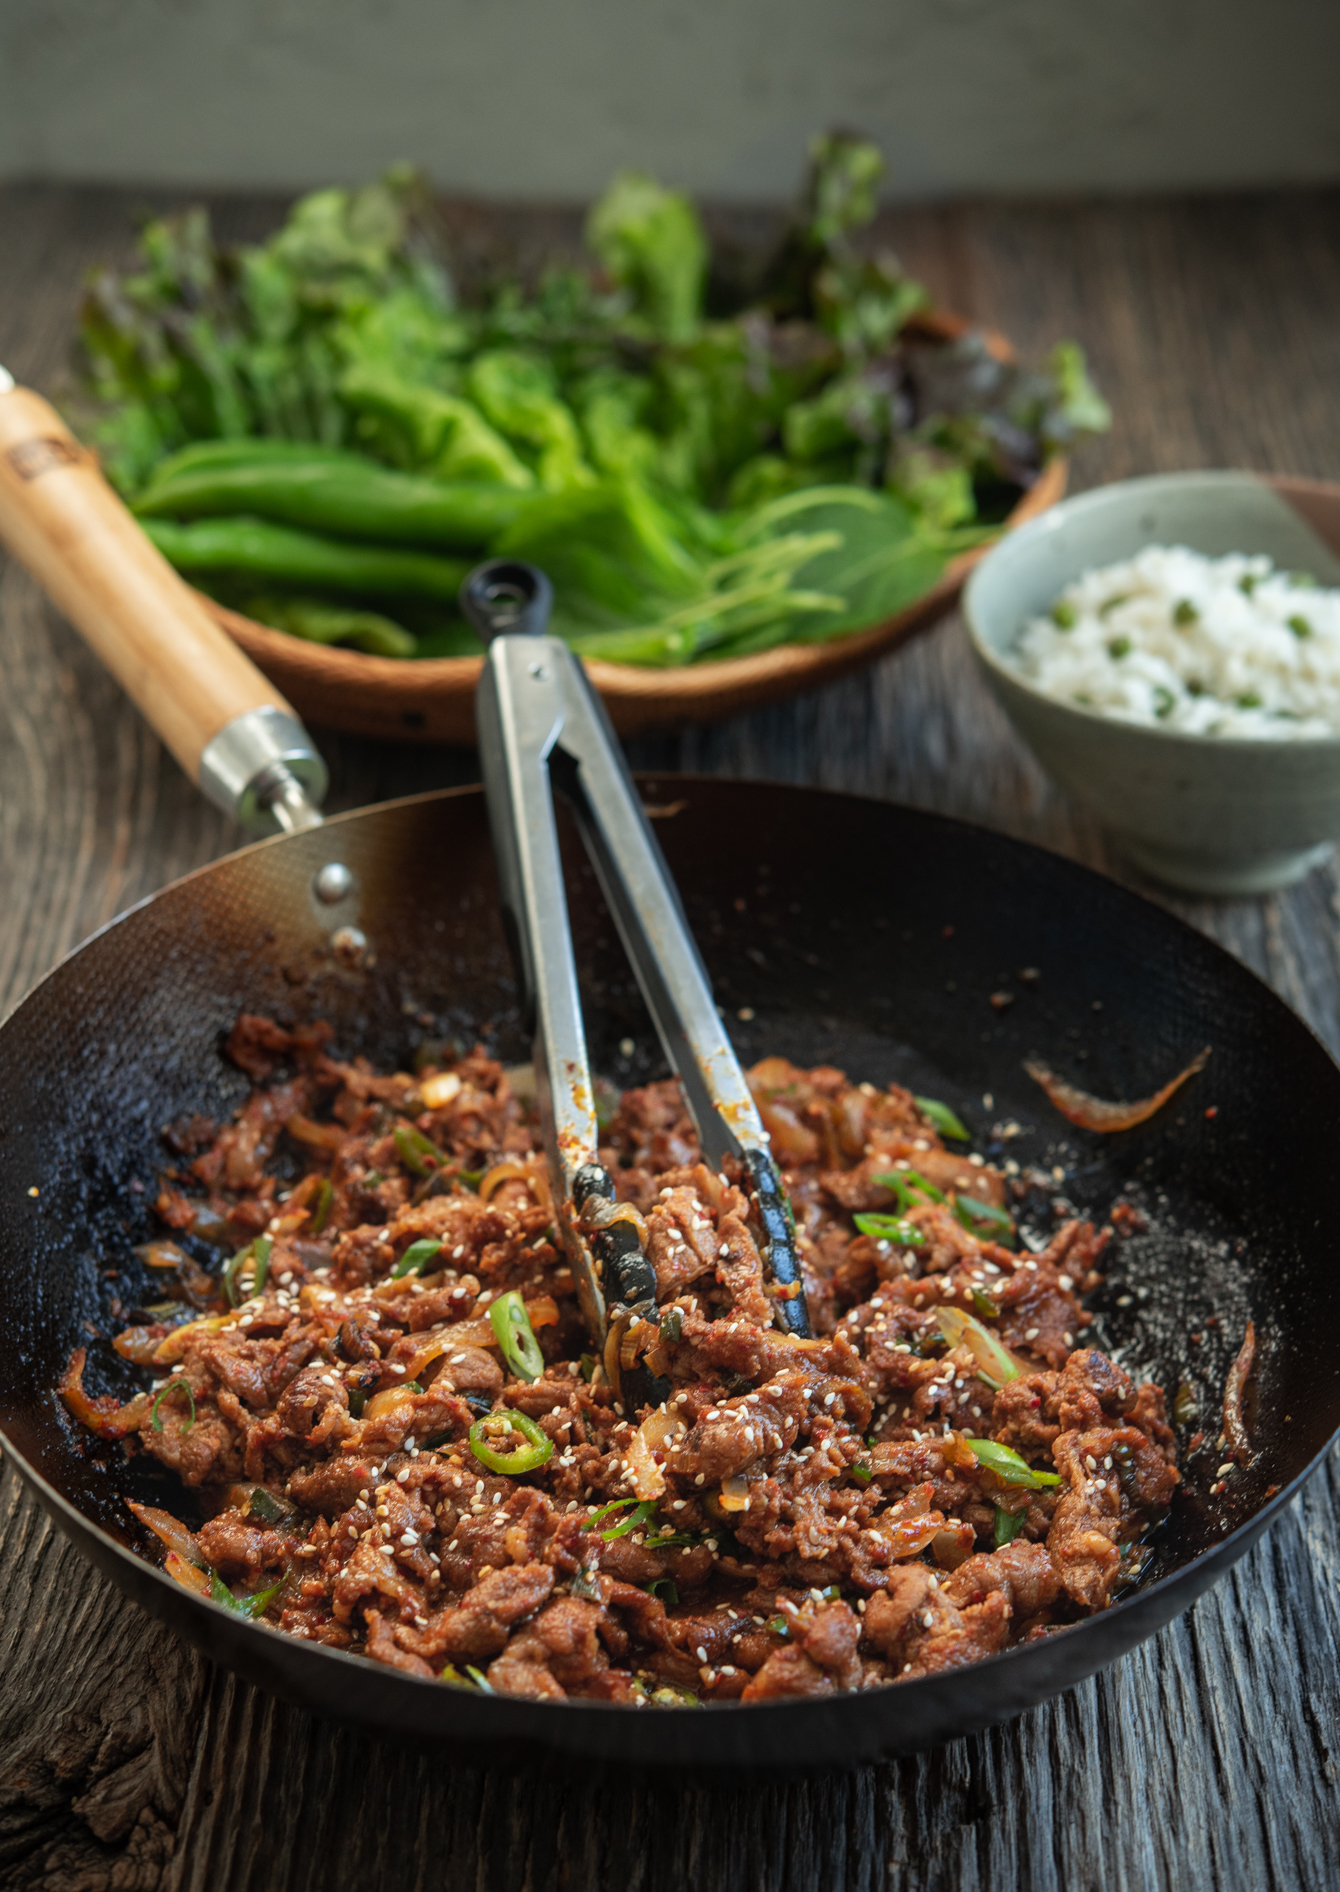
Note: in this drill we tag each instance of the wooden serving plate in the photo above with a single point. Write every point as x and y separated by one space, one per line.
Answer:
433 700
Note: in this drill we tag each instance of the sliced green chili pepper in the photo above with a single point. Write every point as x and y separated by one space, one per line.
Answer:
928 1189
357 1400
588 1364
416 1151
1186 1405
249 1606
516 1337
889 1228
537 1451
779 1625
943 1118
672 1325
416 1258
902 1181
324 1199
163 1391
986 1307
262 550
861 1472
471 1178
263 1506
667 1589
1008 1466
1008 1525
969 1210
672 1695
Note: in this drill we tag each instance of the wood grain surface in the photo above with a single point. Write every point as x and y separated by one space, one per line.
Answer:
1208 1758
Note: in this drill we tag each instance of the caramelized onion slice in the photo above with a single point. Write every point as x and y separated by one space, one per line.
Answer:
1235 1429
170 1530
1094 1113
659 1432
101 1414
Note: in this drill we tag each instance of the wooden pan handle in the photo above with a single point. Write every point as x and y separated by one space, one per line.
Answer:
62 520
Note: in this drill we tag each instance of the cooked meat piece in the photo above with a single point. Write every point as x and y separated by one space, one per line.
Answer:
716 1545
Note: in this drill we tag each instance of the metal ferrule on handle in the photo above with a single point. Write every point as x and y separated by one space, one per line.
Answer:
227 725
543 729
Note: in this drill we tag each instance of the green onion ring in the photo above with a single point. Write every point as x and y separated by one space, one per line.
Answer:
156 1418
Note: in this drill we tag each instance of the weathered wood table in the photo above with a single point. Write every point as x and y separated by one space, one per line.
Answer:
1209 1756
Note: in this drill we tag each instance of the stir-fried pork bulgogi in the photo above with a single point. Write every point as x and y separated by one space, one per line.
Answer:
388 1414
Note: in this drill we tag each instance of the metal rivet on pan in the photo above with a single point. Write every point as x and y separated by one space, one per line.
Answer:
332 883
350 945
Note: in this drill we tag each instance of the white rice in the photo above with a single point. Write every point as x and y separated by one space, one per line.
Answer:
1207 646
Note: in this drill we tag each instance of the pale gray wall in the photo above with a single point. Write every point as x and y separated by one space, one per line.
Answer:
543 99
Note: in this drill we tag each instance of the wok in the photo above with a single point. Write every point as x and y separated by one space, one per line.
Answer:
834 929
863 934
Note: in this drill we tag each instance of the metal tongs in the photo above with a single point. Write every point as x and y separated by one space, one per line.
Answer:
543 730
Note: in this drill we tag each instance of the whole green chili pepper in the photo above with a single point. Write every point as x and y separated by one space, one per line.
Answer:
537 1451
329 491
516 1337
317 622
263 550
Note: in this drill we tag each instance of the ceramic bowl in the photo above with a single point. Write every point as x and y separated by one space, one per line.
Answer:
1206 813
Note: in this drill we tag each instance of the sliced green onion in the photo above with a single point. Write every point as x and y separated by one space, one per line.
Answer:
1186 1405
417 1152
249 1606
1008 1525
1064 615
231 1272
970 1210
861 1472
586 1584
516 1337
416 1258
537 1451
672 1325
638 1515
1008 1466
1185 612
666 1589
1300 626
928 1189
260 1250
961 1329
357 1400
588 1364
889 1228
779 1625
943 1118
471 1178
324 1199
163 1391
985 1306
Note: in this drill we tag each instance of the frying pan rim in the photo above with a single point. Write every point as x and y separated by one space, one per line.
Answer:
1256 1524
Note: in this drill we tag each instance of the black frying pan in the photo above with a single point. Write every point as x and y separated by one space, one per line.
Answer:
857 933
